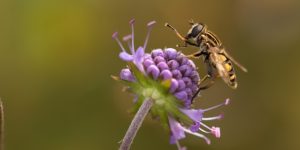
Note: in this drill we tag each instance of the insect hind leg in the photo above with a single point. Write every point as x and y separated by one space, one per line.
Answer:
211 82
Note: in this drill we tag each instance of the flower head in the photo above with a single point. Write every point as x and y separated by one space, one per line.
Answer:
170 79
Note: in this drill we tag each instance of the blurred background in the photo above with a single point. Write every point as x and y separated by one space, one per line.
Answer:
56 58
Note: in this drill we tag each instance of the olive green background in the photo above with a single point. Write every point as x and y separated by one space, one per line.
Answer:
56 58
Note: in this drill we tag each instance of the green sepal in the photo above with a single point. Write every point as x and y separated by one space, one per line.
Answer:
173 108
140 77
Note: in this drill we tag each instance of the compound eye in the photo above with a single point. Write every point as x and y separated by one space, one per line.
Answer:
195 30
200 27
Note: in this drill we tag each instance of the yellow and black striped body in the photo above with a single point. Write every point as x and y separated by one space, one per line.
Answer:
218 64
217 60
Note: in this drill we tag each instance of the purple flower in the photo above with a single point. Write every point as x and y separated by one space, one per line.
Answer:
197 116
136 56
153 69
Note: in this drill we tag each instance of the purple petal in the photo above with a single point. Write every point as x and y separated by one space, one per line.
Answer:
173 139
194 88
195 114
195 127
184 68
166 74
157 52
177 131
139 55
159 59
125 56
179 58
194 73
162 66
153 71
195 76
173 64
188 72
147 63
189 92
187 81
191 63
126 74
181 95
147 56
174 85
196 79
181 85
184 61
187 103
176 74
170 53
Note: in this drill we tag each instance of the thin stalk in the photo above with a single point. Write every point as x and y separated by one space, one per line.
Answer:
1 126
136 124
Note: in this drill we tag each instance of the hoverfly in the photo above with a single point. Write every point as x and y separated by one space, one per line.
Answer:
217 60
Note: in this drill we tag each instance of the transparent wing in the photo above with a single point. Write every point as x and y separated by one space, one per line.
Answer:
220 68
234 61
223 73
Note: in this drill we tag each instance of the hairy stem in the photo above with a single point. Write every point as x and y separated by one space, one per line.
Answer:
136 124
1 126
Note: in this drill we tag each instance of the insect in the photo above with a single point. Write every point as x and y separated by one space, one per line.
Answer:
216 59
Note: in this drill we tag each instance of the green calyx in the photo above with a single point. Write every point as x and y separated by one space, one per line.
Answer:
165 103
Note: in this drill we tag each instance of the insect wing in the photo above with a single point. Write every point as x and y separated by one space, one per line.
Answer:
234 61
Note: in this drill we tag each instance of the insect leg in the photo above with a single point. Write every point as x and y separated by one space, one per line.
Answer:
182 46
195 55
204 78
211 82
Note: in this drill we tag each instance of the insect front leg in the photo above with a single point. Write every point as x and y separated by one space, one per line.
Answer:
196 55
182 46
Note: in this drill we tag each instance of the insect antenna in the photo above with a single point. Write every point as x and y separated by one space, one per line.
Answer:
176 32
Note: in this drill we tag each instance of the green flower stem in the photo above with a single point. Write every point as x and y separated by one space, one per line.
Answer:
1 126
136 124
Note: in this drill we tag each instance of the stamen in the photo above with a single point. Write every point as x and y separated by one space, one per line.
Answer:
127 39
204 130
115 36
216 106
216 131
150 25
197 134
131 22
213 130
204 125
213 118
179 146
